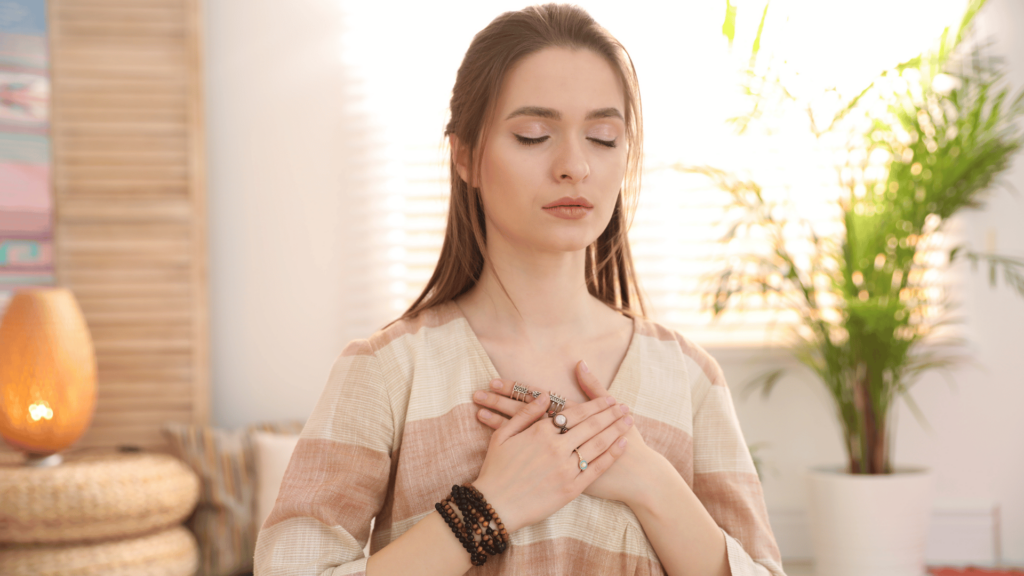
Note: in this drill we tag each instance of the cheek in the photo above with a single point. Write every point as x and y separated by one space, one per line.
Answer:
505 176
617 163
608 173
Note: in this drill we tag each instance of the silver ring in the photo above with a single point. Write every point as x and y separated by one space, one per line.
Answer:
583 463
557 404
560 421
536 393
519 392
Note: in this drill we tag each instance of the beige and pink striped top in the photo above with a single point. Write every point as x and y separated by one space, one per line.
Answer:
396 427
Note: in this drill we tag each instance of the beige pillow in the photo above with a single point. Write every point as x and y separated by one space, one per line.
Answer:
273 451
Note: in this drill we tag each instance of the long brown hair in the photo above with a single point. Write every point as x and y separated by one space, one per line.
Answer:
494 50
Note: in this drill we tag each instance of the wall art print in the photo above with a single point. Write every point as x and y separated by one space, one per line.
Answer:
26 204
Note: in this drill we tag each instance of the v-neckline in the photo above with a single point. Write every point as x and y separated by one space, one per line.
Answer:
478 347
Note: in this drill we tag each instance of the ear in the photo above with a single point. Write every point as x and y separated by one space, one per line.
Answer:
460 156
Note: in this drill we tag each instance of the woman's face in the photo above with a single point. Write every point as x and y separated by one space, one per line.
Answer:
554 156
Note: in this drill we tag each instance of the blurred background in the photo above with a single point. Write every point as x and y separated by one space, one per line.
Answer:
315 128
327 202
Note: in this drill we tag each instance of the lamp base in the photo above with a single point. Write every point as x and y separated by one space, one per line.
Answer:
43 460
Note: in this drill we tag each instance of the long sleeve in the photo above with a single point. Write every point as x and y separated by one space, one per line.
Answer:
726 482
337 478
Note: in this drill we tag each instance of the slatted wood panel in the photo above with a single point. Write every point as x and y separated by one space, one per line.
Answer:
130 206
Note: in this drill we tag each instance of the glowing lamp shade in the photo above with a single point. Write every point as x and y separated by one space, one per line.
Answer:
47 372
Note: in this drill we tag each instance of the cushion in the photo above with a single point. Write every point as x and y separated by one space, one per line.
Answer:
273 451
93 496
170 552
224 522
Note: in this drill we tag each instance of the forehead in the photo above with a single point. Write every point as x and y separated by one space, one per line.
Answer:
572 82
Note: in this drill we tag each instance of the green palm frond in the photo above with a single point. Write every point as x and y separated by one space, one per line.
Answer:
877 335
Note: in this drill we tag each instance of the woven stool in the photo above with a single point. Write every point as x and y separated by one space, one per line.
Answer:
172 552
93 496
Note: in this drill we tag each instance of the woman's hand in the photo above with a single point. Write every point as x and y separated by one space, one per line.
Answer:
623 481
620 482
531 471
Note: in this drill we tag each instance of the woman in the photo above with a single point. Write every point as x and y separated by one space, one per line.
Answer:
533 297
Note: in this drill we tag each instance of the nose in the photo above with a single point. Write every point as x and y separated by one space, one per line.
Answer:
571 164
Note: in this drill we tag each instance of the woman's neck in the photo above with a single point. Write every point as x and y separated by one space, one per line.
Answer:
539 296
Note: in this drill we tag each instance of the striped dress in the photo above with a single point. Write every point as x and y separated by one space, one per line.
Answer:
396 427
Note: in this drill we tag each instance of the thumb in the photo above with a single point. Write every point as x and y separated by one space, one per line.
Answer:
591 386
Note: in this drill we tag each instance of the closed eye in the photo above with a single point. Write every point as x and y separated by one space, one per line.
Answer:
530 141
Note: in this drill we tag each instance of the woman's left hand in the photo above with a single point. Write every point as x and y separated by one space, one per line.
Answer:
621 481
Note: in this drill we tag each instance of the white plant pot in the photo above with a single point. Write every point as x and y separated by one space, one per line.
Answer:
869 525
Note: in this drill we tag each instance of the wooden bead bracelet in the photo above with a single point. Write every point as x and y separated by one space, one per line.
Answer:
474 531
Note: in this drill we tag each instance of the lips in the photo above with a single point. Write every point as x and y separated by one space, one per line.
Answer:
569 208
579 202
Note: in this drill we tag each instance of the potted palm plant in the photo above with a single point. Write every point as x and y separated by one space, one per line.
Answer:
923 142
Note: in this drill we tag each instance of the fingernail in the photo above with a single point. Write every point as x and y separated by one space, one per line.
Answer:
610 400
621 442
624 408
496 384
480 395
583 366
485 414
629 420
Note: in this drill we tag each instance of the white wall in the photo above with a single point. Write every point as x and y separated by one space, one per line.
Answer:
284 146
285 151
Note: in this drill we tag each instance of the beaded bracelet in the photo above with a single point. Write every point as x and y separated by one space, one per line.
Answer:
474 531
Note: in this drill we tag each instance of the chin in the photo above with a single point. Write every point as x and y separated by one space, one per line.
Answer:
570 242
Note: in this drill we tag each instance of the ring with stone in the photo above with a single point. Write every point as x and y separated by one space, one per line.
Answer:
583 463
560 421
557 404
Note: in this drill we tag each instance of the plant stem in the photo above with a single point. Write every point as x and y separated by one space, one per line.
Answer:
872 428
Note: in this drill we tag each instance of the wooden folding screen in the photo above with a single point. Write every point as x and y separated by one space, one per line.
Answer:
130 223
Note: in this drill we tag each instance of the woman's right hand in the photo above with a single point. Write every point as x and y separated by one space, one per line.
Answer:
530 471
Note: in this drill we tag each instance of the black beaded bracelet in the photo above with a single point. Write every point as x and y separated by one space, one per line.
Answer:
444 509
474 531
493 540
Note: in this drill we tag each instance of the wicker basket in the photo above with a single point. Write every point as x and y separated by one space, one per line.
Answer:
172 552
94 497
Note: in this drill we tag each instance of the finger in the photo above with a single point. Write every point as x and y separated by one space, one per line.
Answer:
604 440
599 465
580 412
592 426
504 386
520 421
491 419
497 402
591 386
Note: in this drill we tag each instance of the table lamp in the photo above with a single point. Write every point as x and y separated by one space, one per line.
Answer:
47 374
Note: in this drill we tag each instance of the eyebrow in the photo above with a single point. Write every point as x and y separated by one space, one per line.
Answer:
556 115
